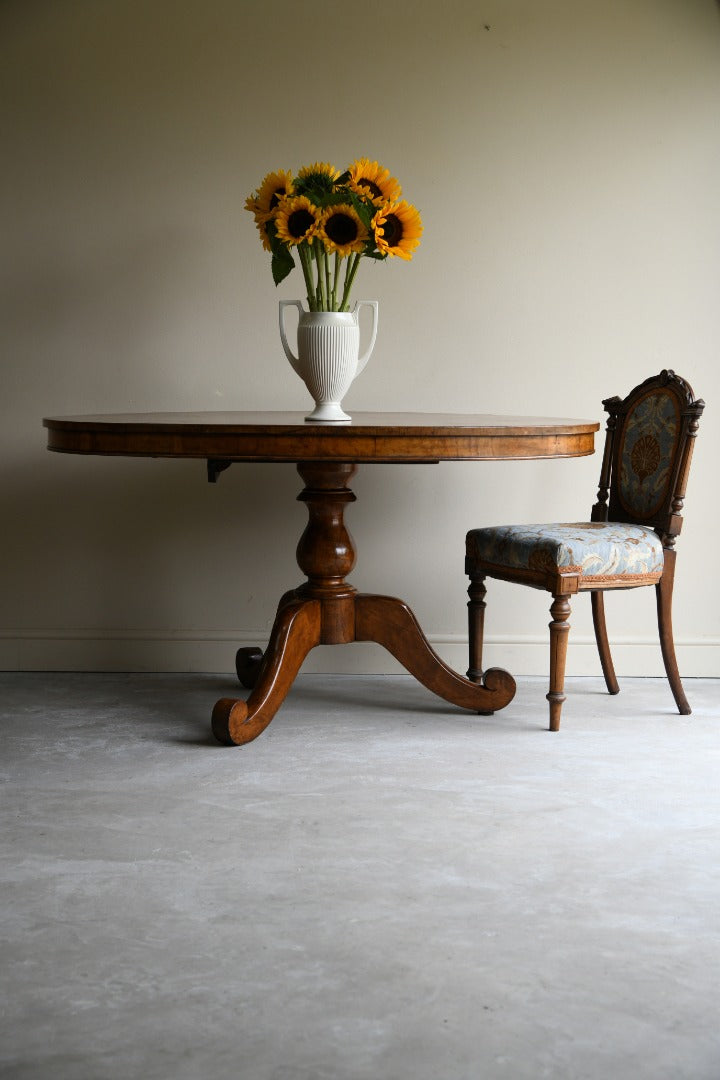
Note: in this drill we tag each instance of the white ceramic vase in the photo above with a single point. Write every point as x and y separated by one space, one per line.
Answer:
328 355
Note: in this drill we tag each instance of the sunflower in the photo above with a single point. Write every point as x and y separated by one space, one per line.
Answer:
275 186
296 219
342 230
397 229
320 177
367 178
262 221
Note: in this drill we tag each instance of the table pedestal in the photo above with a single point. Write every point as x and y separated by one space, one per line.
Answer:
327 610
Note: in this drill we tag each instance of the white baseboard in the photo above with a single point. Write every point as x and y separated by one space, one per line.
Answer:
214 651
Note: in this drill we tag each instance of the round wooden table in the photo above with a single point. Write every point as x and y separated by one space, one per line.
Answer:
326 609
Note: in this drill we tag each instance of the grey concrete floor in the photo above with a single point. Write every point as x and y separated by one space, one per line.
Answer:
378 888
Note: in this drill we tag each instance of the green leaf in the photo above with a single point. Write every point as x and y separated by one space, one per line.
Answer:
366 211
324 199
282 263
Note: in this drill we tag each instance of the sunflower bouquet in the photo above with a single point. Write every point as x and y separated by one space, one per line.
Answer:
331 220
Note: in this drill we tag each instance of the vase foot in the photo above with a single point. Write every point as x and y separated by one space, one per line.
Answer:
328 412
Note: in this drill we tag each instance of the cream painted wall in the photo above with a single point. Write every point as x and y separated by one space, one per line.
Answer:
565 155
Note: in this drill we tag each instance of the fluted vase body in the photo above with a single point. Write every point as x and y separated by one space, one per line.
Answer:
328 355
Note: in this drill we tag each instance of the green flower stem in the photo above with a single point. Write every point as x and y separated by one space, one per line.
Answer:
350 272
306 263
319 259
328 286
338 260
326 298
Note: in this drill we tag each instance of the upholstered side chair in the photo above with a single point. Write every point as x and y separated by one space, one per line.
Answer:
629 541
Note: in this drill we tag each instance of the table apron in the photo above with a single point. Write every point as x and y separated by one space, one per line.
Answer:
292 448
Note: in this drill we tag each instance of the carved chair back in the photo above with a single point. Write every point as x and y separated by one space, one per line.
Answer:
648 449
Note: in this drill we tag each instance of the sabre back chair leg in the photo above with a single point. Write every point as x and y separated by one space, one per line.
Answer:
664 594
476 627
559 630
597 601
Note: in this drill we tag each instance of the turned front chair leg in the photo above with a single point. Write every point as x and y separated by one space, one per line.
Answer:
476 627
664 593
559 630
597 601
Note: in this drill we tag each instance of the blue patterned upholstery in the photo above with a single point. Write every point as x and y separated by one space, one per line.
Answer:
594 550
647 453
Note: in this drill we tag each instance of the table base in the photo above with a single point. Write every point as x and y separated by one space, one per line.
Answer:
327 610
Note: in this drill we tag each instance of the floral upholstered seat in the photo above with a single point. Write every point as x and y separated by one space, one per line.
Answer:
629 541
597 550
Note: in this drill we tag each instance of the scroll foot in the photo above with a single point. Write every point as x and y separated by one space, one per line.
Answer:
249 658
247 665
295 633
391 623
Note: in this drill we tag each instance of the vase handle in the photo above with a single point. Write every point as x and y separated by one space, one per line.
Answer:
281 318
366 355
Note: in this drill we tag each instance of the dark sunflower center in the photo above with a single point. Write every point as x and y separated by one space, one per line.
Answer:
275 198
299 222
370 186
341 229
392 230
